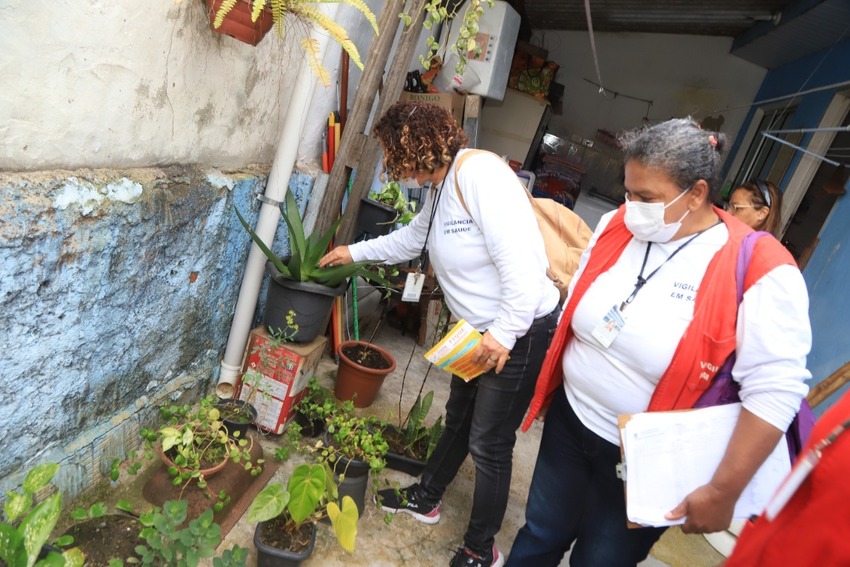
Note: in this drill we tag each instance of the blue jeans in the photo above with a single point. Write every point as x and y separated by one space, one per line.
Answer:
575 496
482 417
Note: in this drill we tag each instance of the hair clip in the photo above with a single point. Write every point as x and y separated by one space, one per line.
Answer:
712 140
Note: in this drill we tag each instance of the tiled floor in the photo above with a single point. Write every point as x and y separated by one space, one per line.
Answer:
404 541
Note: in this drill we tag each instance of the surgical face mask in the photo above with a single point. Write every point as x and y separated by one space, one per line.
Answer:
410 183
646 220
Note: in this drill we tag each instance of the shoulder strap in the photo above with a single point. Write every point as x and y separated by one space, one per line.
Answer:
744 255
458 162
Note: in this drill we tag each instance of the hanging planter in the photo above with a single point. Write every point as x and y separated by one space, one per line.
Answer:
237 23
362 370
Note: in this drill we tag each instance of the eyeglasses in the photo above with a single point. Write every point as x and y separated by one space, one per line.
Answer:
765 191
732 208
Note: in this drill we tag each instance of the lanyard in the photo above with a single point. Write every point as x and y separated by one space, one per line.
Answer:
431 220
803 467
642 280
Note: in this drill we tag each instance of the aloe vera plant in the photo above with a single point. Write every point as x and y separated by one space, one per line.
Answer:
305 252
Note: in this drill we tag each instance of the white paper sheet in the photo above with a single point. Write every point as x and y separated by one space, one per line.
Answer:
670 454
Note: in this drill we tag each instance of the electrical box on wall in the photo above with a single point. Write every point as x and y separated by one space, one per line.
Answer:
486 75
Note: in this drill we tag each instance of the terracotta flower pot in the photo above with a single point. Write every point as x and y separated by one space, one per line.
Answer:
357 382
205 472
237 23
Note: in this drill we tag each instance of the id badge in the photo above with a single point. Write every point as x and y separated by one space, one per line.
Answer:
610 326
413 287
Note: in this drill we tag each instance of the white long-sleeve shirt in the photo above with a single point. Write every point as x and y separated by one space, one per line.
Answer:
773 334
492 266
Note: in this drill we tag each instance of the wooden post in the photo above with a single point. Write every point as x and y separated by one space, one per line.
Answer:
358 151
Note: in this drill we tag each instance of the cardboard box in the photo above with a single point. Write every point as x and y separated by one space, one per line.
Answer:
452 102
281 373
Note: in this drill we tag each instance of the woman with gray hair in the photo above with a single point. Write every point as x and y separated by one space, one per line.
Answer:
654 292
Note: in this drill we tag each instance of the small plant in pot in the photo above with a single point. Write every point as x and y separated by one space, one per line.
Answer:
287 517
362 369
194 444
384 209
298 284
313 410
412 442
355 449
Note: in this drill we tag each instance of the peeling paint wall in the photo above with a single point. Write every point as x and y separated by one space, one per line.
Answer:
118 288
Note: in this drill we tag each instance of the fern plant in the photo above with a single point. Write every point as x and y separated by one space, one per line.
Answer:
308 13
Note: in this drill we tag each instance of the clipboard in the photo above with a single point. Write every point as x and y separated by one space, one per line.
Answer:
622 420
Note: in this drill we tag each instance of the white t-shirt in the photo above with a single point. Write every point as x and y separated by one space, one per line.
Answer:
491 267
773 333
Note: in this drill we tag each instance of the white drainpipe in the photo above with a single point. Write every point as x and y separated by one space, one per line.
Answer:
281 171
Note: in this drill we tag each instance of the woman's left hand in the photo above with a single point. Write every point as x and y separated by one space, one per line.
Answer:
490 354
707 509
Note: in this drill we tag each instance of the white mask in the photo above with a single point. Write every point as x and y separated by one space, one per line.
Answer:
410 183
646 220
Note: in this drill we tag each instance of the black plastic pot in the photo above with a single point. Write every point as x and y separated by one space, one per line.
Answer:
355 479
309 427
403 463
374 218
268 556
310 301
237 429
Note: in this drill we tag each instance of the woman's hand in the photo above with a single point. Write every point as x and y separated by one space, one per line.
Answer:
490 354
336 257
707 509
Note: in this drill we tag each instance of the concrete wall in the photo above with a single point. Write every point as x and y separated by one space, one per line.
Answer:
118 291
683 75
121 256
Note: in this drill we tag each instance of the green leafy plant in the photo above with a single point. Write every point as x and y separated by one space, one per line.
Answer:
439 12
310 495
415 433
318 403
355 438
26 528
167 544
195 439
305 252
308 13
392 196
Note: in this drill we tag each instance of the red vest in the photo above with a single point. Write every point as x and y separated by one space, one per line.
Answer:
813 528
710 337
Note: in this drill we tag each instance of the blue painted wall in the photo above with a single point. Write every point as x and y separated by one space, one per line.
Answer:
116 288
828 271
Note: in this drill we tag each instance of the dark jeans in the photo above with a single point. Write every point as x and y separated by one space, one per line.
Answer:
482 417
575 496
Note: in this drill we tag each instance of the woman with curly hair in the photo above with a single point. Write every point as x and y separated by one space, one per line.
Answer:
488 255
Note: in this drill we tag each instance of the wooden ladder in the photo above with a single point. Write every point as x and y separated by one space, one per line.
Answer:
358 150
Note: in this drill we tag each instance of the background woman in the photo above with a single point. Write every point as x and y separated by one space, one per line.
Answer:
492 269
663 268
758 205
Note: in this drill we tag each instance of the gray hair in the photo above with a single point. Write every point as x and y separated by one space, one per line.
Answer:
680 149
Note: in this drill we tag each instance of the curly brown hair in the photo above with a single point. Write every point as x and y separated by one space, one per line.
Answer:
418 136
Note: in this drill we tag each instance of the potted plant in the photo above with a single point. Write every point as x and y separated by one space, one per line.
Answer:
355 449
299 289
383 209
238 20
412 442
307 12
26 528
194 444
286 529
362 369
314 409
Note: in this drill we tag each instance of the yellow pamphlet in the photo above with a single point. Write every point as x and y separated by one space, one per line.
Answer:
454 352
